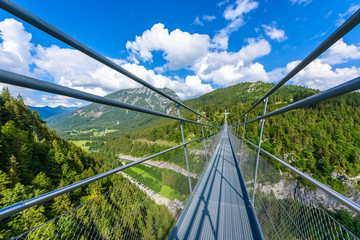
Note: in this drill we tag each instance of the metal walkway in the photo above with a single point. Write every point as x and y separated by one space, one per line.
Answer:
220 207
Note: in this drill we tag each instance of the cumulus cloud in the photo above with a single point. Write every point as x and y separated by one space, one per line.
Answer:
316 75
235 14
341 52
274 33
352 9
73 69
322 76
15 47
180 48
186 88
228 68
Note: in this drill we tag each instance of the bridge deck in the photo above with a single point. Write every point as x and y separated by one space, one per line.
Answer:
220 207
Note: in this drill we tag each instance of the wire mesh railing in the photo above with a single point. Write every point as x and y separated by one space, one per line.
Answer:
127 210
287 206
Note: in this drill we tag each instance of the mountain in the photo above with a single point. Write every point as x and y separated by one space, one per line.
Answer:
101 116
46 112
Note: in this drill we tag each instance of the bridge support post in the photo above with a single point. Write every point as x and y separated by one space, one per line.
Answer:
242 139
258 152
202 131
185 150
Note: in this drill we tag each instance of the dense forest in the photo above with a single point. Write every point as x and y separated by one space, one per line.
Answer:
35 160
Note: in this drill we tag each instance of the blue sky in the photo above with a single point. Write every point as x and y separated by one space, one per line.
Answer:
192 47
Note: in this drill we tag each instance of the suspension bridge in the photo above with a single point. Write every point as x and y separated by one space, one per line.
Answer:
229 190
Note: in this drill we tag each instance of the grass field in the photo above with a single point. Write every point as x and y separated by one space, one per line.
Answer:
81 143
153 183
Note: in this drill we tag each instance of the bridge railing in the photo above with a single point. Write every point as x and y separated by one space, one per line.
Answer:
286 205
126 210
294 205
161 185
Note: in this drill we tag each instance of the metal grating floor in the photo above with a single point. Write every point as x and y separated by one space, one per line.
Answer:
220 207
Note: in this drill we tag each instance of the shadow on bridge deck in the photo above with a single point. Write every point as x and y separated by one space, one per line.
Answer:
220 206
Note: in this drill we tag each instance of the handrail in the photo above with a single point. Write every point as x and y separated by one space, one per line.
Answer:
340 89
32 83
352 205
37 22
348 25
18 207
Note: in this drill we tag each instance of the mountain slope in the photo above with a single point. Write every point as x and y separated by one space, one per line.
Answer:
34 160
46 112
101 116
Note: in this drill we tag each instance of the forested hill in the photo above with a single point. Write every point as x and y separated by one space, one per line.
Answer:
100 116
35 160
322 140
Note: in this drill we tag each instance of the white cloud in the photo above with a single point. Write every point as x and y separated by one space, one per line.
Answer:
317 75
274 33
235 13
222 3
341 52
238 10
53 101
197 21
180 49
208 18
15 47
352 9
322 76
305 2
73 69
228 68
186 88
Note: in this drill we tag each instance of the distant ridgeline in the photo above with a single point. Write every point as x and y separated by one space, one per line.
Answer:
100 116
46 112
34 160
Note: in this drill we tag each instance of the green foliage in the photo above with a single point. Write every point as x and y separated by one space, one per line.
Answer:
35 160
